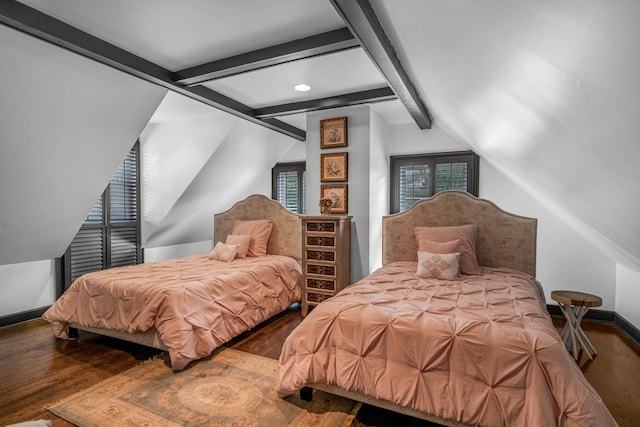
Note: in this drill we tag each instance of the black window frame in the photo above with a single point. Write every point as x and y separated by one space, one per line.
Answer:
300 168
432 159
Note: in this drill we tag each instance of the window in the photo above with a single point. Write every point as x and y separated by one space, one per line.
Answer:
110 234
289 186
418 177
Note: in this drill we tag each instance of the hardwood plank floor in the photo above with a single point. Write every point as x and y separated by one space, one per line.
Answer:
37 369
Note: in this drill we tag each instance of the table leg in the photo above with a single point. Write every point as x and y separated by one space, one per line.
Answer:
569 333
573 335
582 336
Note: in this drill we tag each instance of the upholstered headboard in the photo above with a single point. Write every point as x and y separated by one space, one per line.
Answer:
286 234
504 239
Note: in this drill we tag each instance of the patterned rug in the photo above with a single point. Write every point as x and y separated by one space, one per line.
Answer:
230 388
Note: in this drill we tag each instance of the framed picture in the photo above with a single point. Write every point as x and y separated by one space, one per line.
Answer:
338 195
334 167
333 132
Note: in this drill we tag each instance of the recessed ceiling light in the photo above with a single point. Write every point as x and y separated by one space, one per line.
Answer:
301 87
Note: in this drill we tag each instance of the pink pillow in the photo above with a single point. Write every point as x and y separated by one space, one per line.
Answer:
465 233
242 240
440 266
259 230
223 252
439 247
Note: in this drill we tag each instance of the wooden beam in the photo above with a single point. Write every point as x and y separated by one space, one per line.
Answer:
38 24
308 47
354 98
365 26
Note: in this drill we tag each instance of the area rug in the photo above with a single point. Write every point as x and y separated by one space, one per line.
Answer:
229 388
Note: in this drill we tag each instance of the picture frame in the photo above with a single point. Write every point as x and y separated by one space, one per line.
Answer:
339 194
333 132
334 167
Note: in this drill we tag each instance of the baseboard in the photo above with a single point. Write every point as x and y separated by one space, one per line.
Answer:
23 316
593 314
627 328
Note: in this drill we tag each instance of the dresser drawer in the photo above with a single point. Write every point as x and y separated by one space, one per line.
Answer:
329 241
323 270
316 297
318 283
328 256
321 226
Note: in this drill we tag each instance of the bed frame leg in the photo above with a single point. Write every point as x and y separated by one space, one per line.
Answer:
306 394
73 333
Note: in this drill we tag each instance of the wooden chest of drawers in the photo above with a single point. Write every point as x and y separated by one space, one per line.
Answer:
326 257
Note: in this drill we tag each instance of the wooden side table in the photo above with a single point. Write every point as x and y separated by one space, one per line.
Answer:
574 306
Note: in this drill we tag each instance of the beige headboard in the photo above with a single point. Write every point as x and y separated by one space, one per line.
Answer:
504 239
286 235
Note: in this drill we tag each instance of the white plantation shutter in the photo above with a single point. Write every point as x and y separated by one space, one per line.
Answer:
110 234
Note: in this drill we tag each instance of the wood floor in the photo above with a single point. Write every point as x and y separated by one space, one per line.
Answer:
37 369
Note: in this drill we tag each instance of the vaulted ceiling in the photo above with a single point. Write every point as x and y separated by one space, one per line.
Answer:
545 91
213 65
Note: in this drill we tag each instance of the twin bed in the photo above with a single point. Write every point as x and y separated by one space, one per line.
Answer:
472 349
190 306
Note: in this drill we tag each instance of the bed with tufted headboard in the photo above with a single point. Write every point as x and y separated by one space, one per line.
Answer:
441 336
189 306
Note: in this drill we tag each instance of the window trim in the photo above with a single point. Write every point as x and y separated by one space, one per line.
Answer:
473 171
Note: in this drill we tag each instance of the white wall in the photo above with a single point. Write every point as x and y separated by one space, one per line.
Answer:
26 286
566 260
628 294
379 186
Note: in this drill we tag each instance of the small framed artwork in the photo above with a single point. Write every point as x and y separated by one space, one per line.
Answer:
334 167
337 193
333 132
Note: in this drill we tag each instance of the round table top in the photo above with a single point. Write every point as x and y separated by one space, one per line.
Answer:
576 298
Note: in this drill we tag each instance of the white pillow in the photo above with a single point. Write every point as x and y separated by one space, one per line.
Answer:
224 252
440 266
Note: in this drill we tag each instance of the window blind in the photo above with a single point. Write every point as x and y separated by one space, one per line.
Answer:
417 177
110 234
289 186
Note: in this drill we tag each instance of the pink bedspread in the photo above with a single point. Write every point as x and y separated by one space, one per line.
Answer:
480 350
195 304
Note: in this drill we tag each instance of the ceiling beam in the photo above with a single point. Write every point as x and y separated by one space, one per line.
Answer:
38 24
304 48
365 26
355 98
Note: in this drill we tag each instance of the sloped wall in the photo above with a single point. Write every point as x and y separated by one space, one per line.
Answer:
238 163
66 123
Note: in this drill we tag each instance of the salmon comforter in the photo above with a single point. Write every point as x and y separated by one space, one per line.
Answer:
480 350
196 304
